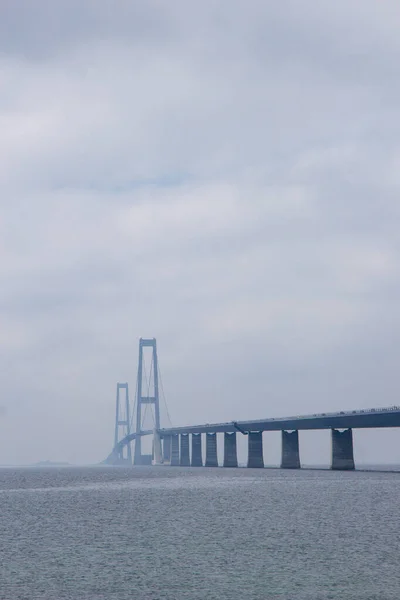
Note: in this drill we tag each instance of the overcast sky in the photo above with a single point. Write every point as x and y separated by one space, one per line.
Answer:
224 177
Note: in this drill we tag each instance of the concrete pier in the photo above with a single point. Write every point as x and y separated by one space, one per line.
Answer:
167 450
175 450
197 459
143 459
255 459
290 450
230 453
342 450
157 450
185 457
211 450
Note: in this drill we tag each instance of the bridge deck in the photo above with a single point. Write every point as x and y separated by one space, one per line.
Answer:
355 419
123 442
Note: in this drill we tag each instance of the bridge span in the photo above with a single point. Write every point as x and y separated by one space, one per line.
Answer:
341 425
183 446
176 440
116 455
361 419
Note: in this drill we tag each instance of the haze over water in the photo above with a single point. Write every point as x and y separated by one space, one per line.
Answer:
162 533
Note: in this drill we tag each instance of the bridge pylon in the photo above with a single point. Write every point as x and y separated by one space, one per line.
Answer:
122 424
146 397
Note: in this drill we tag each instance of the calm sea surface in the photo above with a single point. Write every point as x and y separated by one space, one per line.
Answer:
165 533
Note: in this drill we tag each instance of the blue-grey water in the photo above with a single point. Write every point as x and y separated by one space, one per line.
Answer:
165 533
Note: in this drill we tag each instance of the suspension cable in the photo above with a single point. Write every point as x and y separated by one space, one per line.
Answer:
152 371
134 405
147 384
163 395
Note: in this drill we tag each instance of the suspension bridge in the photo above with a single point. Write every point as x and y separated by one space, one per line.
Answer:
183 446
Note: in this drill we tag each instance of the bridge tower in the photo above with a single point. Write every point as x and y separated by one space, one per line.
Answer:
123 423
148 397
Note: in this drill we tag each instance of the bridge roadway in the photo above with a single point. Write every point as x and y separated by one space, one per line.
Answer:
176 440
118 449
355 419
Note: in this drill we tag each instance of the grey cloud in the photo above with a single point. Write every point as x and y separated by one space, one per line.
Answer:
46 30
223 180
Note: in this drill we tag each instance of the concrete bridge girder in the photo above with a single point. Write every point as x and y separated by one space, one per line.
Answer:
354 420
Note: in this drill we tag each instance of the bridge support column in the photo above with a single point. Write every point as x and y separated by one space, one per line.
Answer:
175 450
143 398
230 453
290 450
185 458
167 450
197 460
122 421
157 450
211 450
342 450
255 457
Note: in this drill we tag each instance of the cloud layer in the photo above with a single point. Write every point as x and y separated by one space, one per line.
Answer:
225 181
